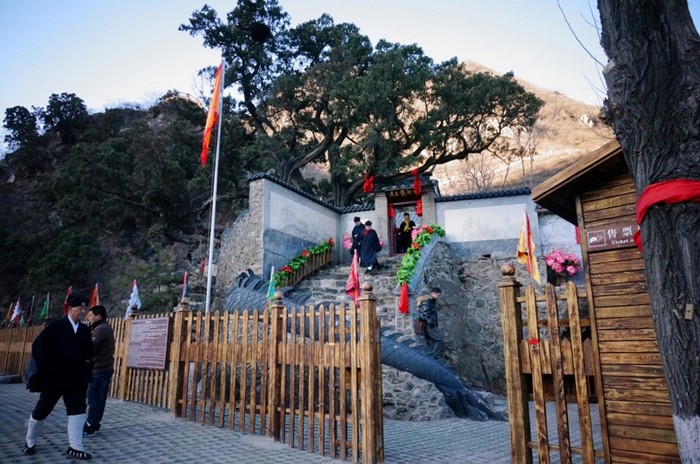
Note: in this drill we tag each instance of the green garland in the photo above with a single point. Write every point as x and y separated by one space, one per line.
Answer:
412 256
295 263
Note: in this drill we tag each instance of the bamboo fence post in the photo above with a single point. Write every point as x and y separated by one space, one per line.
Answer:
123 381
274 368
511 317
370 379
176 366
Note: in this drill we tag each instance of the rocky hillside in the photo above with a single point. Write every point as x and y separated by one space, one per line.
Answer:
567 129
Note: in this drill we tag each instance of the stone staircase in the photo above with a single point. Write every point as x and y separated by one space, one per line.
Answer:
328 285
405 397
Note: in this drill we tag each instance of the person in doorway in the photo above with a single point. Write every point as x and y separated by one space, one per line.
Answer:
358 231
63 354
369 247
102 368
404 238
427 311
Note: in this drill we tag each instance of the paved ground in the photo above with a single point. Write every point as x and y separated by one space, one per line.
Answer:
134 433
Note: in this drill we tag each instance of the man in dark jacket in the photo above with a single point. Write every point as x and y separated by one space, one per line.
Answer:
369 247
357 232
102 367
427 311
63 354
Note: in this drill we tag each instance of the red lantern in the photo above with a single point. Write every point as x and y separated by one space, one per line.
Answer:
419 208
392 213
416 182
368 186
403 299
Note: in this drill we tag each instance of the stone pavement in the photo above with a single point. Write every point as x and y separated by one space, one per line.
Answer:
134 433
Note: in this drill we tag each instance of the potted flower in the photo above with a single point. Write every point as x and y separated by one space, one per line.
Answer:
561 266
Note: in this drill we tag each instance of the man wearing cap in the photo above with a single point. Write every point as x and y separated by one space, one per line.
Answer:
63 354
369 247
357 231
427 311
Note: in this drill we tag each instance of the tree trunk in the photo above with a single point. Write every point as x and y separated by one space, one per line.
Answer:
653 78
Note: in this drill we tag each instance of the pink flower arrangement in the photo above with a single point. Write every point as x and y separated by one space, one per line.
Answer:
347 241
563 264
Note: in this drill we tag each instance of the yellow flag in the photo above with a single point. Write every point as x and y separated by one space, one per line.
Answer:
526 250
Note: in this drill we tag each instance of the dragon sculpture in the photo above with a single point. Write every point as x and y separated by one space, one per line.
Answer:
250 290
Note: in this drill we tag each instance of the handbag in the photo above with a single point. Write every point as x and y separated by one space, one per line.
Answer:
419 326
32 378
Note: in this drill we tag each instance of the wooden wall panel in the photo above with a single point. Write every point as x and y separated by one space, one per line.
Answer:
635 394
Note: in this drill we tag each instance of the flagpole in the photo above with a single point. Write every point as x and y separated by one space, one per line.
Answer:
207 304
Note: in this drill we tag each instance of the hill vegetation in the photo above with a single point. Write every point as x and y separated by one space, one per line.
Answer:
114 196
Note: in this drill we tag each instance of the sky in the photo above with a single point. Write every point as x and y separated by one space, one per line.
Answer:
115 52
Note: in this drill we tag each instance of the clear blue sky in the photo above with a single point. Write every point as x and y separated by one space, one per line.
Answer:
110 52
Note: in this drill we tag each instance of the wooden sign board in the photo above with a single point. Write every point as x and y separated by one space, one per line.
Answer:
401 194
148 343
617 235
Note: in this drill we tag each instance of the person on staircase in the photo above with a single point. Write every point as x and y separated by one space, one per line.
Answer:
427 311
63 354
358 231
369 247
403 238
102 368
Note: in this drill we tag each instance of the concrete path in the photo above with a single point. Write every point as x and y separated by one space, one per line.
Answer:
134 433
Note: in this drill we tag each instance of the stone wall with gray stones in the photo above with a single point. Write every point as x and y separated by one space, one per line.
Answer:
241 243
469 314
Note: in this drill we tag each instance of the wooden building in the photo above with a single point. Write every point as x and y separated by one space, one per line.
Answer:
597 194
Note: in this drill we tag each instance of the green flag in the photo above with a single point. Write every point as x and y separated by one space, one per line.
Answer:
44 313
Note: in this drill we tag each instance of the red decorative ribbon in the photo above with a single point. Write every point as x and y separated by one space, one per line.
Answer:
669 191
533 341
368 186
403 299
416 182
419 208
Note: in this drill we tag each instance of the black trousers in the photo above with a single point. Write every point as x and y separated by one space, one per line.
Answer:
74 398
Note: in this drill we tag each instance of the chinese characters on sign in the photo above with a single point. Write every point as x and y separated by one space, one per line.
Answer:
617 235
403 194
148 343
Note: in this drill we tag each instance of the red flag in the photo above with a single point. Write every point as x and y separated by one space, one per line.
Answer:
65 302
94 297
352 287
10 311
212 116
403 299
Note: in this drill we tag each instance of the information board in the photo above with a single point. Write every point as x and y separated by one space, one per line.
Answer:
148 343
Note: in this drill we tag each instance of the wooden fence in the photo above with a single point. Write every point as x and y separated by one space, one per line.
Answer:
547 357
310 377
311 265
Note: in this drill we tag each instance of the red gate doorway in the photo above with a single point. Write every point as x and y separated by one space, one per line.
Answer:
399 209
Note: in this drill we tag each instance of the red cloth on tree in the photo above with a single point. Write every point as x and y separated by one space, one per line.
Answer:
368 186
403 299
416 182
669 191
